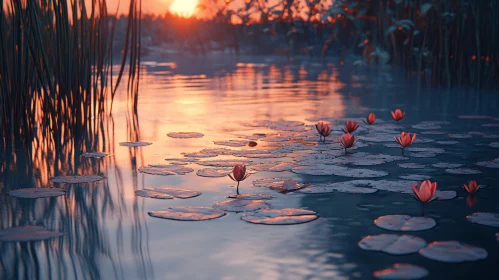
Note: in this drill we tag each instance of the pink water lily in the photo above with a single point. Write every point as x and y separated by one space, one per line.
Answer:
472 187
424 191
239 174
347 140
350 126
398 115
370 119
323 129
405 139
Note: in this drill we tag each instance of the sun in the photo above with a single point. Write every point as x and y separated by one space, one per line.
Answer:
184 7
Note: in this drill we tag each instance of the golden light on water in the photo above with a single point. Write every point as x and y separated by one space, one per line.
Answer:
184 7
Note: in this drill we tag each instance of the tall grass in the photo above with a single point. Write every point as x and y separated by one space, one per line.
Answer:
56 66
442 42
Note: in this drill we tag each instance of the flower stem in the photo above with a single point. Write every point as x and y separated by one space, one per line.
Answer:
422 209
237 188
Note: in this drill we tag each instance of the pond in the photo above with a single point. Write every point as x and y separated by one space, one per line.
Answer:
103 230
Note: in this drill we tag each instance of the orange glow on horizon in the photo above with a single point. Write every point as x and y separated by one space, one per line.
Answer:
184 7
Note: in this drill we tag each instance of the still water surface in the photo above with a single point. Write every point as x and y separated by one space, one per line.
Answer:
108 234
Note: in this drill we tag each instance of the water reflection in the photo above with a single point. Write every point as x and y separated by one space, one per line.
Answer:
107 231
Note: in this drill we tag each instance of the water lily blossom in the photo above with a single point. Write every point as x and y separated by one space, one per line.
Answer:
405 139
350 126
424 191
370 119
472 187
239 174
398 115
347 140
323 129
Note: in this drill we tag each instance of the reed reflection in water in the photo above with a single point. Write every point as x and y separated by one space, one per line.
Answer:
107 232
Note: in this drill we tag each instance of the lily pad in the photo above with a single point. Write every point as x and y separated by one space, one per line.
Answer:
214 172
355 186
240 205
392 244
460 136
232 143
247 196
200 154
463 171
165 169
224 162
27 233
428 126
494 144
188 213
447 142
135 144
411 165
421 155
489 164
415 177
328 170
95 155
77 179
444 195
278 184
402 271
474 117
286 216
167 193
183 135
37 192
153 194
435 132
485 218
447 165
404 223
182 161
426 150
260 154
273 166
453 252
